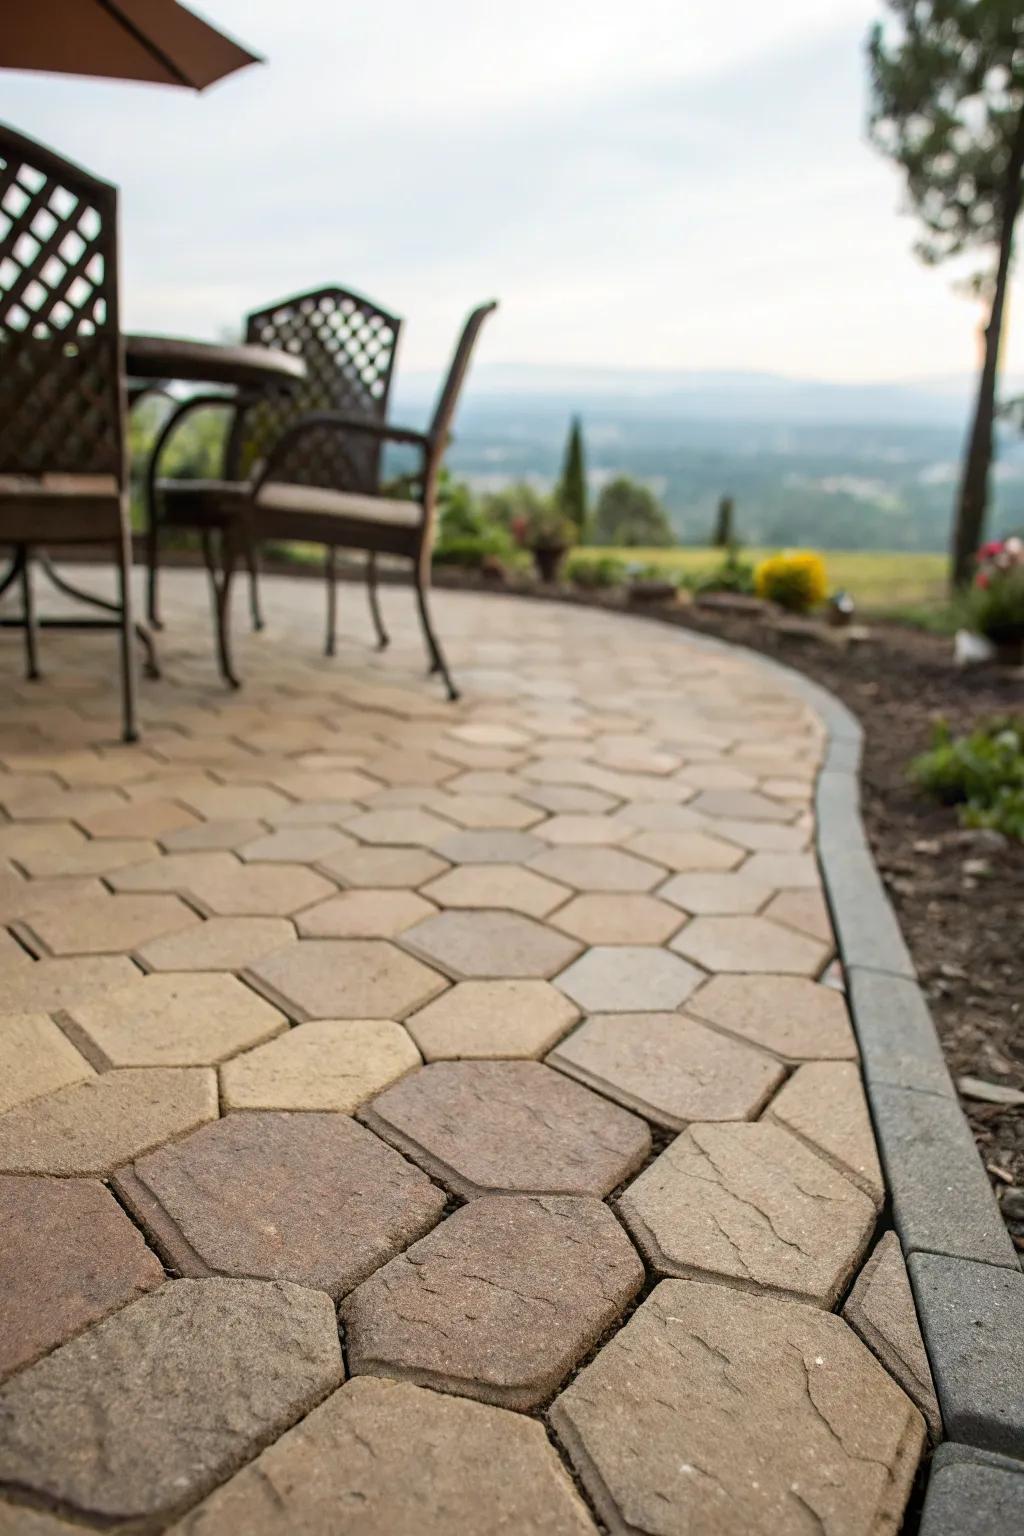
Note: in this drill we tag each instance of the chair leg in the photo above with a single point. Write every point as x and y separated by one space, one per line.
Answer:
220 593
331 579
28 608
127 631
152 572
383 638
252 561
437 661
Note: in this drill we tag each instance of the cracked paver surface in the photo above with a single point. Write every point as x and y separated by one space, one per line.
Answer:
467 1019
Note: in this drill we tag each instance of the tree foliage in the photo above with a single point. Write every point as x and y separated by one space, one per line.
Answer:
629 514
572 487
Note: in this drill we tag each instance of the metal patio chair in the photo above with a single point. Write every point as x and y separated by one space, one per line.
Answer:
63 469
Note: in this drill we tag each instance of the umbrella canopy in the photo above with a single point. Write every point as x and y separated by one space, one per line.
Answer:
153 40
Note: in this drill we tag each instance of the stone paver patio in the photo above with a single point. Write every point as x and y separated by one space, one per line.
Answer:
419 1118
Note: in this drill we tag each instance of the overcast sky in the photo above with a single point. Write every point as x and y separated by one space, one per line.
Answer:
657 183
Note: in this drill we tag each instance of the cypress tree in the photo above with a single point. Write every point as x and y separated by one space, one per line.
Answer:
572 487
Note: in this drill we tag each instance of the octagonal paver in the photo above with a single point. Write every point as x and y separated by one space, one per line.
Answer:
749 944
173 1021
259 890
86 926
752 1205
69 1256
146 1412
406 1462
628 978
467 944
36 1058
799 1020
329 1064
498 1302
344 979
399 867
823 1103
497 885
48 985
623 919
598 869
712 893
220 944
298 845
94 1126
712 1411
312 1198
486 1126
497 1019
489 847
668 1068
363 914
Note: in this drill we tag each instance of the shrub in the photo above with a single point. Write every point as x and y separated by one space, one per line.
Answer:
465 535
982 773
628 513
605 572
996 608
732 575
796 580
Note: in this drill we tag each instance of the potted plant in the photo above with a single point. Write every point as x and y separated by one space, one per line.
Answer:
549 537
996 602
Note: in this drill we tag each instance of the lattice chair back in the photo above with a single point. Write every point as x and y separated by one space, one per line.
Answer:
61 366
348 345
444 411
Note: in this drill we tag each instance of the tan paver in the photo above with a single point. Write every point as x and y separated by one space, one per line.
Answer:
173 1021
20 897
410 1462
582 831
783 871
682 851
235 801
146 818
399 867
173 872
744 804
804 910
598 869
96 1125
258 890
62 804
69 1256
363 914
623 919
799 1020
311 1198
49 985
823 1103
881 1309
399 828
628 978
568 799
715 1411
218 944
294 845
748 944
486 1126
668 1068
488 847
99 857
498 1019
345 979
212 836
497 885
36 1058
109 926
722 894
468 944
498 1302
328 1064
764 836
155 1405
480 812
752 1205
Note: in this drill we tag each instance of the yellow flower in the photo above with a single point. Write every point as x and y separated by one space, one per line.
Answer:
795 579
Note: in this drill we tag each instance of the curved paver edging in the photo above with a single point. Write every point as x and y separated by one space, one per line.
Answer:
967 1281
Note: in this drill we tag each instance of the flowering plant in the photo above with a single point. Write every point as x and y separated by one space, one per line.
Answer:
795 580
997 558
996 603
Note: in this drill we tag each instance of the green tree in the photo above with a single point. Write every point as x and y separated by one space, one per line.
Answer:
628 513
572 487
947 81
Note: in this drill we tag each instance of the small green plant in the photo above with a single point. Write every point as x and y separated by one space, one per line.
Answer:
465 535
997 609
733 575
593 574
982 773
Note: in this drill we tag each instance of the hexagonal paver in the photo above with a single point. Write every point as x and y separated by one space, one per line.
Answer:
683 851
823 1103
100 856
212 836
752 1205
49 985
881 1309
497 885
668 1068
498 1019
748 944
764 836
259 890
399 867
363 914
35 1058
69 1256
399 828
656 816
298 845
219 944
715 894
486 1126
20 897
344 979
568 799
784 871
173 1021
316 813
628 978
175 872
94 1126
622 919
488 847
499 1302
597 869
321 784
478 812
62 804
582 831
312 1198
745 804
713 1411
330 1064
804 910
85 926
797 1019
146 818
490 944
245 802
408 1462
142 1415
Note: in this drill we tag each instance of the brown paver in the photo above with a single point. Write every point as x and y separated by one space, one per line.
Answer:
497 885
804 910
144 1414
399 867
48 985
598 869
490 847
715 894
258 890
486 944
486 1126
713 1411
497 1019
87 926
218 944
69 1256
823 1103
94 1126
623 919
167 1020
499 1302
328 1064
668 1068
363 914
628 978
20 1520
799 1020
752 1205
312 1198
36 1058
881 1309
344 979
748 944
404 1461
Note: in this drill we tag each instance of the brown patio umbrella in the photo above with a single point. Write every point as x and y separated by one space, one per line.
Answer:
153 40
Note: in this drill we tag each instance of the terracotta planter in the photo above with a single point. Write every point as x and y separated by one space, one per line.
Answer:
548 560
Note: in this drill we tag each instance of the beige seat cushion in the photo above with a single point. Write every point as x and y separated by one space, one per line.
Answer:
278 497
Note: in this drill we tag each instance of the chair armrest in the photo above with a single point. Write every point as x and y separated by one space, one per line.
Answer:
335 421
